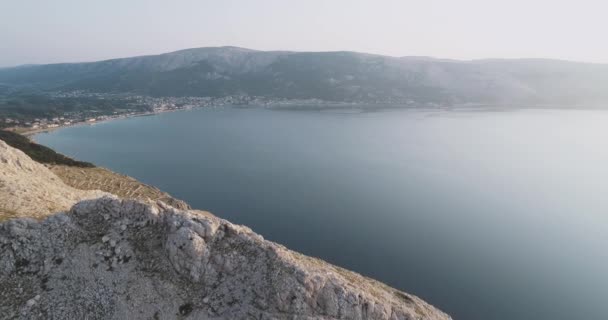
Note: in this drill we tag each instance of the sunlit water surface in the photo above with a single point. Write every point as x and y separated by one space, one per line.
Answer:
485 214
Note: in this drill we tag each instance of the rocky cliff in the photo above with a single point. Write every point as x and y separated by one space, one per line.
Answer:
111 258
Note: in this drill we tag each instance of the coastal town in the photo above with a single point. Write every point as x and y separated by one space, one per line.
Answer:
122 106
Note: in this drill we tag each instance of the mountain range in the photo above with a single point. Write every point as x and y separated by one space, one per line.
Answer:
331 76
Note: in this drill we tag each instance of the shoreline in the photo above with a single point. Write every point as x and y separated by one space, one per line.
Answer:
30 133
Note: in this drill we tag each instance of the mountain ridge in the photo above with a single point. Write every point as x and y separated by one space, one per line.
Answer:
333 76
422 57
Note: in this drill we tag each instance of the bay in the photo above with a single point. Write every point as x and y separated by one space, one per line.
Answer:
485 214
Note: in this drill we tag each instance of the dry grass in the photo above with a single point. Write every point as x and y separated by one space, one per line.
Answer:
5 215
108 181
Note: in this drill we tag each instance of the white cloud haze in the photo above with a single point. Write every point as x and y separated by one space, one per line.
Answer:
34 31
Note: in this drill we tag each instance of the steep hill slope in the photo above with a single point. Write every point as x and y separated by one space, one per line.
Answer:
39 153
28 188
125 187
85 176
337 76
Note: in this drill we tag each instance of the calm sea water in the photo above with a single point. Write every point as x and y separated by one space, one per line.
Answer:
487 215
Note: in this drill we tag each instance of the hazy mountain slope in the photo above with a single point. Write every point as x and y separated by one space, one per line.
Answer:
340 76
554 80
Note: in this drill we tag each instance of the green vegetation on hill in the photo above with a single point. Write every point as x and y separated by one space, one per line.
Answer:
26 106
38 152
330 76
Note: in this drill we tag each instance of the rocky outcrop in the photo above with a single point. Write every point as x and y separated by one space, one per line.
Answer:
122 259
28 188
113 258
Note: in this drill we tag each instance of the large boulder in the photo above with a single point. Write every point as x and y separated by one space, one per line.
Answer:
122 259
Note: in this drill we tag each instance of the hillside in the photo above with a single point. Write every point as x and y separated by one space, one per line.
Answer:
332 76
28 189
110 258
38 152
96 178
36 181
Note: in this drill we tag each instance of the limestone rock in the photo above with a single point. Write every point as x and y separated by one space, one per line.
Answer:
172 263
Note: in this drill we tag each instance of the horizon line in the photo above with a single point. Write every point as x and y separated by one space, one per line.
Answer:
306 51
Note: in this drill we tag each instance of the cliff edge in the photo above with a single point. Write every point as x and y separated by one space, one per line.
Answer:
112 258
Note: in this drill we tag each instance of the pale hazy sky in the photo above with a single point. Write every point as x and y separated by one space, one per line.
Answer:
44 31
